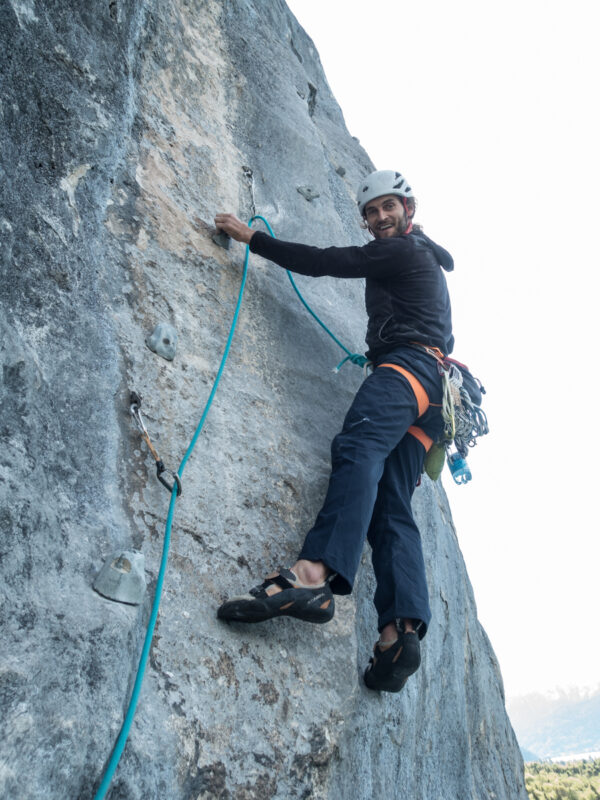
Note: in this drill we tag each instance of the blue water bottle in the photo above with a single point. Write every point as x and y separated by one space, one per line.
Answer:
459 468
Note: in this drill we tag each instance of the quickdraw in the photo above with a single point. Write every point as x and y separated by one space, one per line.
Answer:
135 402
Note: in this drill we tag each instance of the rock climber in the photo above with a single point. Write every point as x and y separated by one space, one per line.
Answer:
378 456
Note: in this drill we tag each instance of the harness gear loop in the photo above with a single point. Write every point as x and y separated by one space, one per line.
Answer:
465 421
450 398
469 420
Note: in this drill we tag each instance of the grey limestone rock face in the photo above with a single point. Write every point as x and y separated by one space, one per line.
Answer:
126 126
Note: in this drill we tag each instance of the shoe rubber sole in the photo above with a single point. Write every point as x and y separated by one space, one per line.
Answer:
393 667
305 604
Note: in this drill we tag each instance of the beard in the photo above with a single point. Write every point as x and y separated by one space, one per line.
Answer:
396 229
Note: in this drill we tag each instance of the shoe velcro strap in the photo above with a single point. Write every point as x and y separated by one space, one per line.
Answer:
285 579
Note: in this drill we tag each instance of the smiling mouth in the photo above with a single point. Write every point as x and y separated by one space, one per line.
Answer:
384 226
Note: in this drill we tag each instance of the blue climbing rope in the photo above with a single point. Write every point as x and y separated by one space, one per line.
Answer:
355 358
119 745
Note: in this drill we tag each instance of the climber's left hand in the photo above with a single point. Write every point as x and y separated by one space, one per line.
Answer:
234 227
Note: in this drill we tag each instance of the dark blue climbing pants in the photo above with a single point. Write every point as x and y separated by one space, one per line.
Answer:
376 465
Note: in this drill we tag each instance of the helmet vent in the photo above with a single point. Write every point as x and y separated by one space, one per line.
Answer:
381 183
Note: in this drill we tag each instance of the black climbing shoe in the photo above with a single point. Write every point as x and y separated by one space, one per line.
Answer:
389 669
311 604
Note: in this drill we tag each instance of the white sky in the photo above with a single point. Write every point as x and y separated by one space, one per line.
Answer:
491 112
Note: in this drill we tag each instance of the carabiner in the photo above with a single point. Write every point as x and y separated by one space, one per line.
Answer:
161 470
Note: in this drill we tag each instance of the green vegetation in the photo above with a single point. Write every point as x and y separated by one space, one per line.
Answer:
577 780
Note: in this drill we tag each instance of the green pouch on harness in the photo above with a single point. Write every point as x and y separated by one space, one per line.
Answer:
435 460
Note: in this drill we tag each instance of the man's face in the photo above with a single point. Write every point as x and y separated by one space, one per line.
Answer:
385 216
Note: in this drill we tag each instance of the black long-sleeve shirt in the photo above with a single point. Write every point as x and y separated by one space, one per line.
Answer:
406 295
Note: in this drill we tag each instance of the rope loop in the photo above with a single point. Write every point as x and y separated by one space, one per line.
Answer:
355 358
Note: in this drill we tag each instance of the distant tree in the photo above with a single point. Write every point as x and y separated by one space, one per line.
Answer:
573 781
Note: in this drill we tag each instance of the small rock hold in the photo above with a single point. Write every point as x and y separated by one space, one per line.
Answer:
122 578
341 171
222 239
163 341
307 192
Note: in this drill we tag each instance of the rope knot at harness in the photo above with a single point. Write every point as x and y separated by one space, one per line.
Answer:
354 358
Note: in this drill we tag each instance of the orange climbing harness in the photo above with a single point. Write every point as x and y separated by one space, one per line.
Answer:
422 403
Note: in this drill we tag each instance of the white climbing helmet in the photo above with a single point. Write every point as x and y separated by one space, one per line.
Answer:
380 182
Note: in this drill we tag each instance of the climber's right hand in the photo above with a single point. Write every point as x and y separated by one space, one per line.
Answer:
234 227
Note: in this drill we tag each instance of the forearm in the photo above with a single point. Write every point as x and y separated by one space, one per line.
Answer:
376 260
338 262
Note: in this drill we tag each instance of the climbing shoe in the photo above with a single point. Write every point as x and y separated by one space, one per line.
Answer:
389 669
309 603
